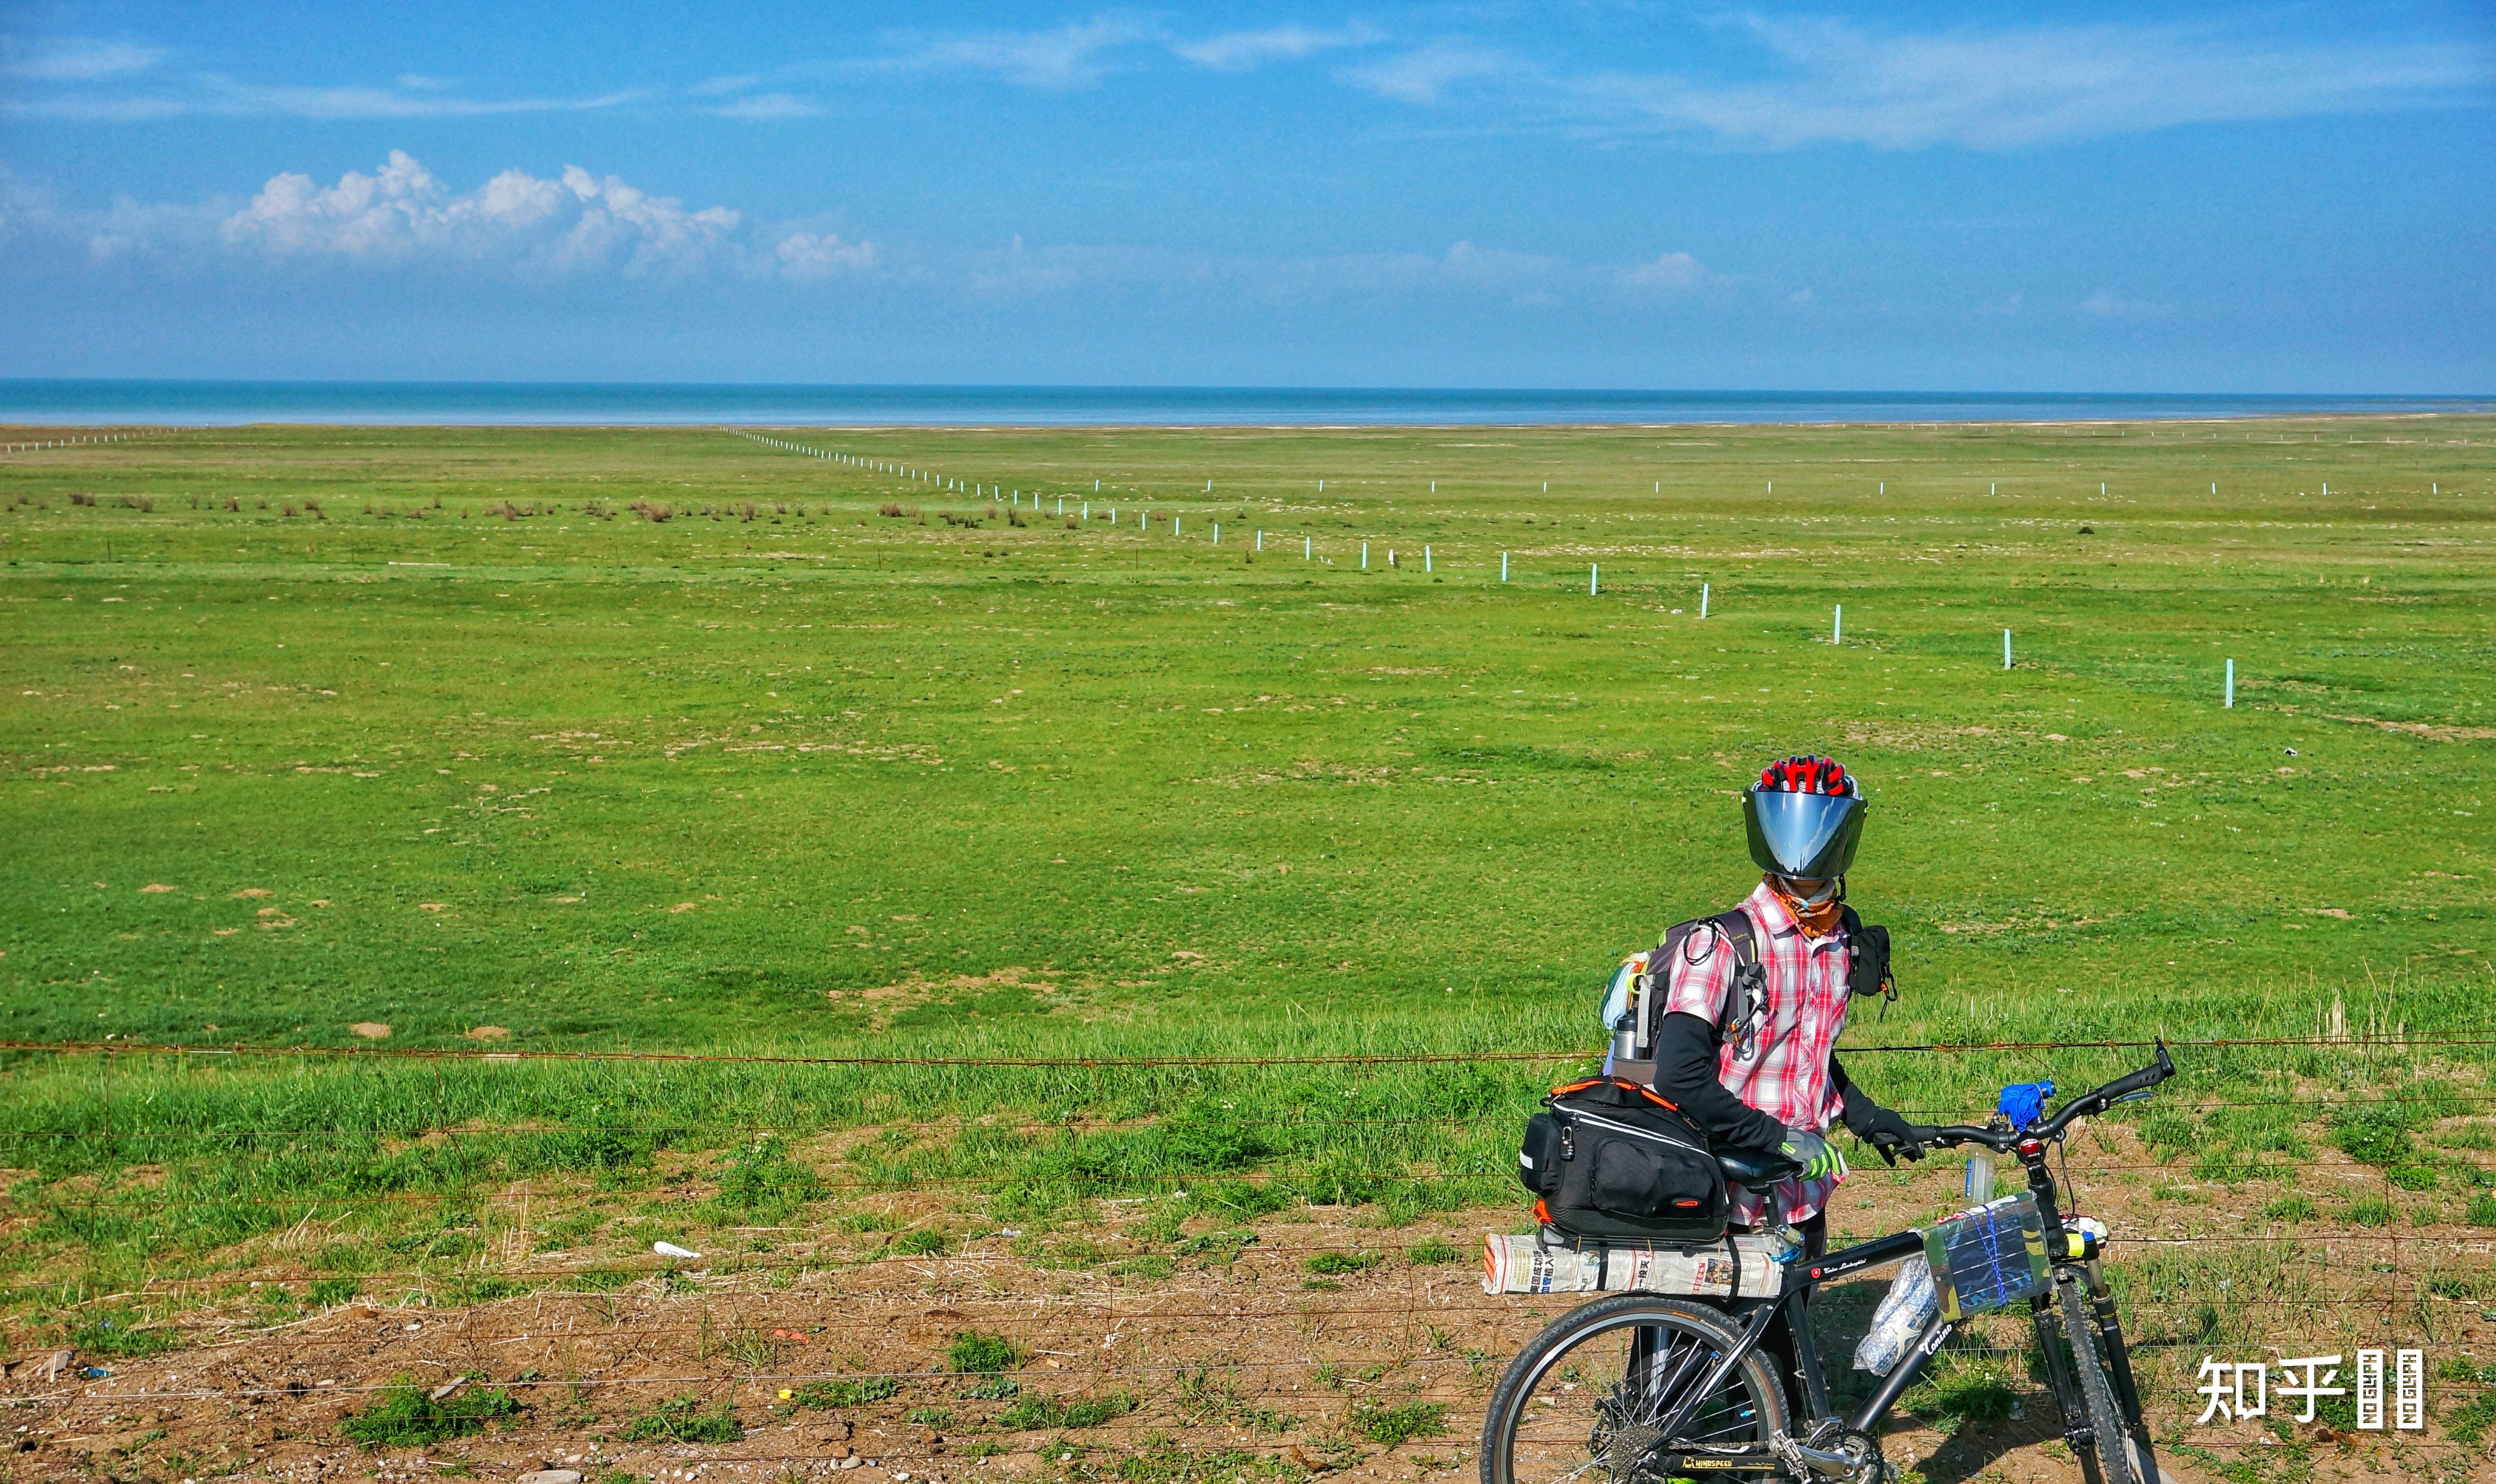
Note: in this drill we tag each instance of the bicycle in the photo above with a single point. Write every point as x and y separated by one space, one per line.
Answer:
1638 1388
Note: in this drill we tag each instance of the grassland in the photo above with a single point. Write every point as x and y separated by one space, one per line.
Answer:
445 731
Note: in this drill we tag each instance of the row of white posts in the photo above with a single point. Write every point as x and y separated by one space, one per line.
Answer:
1309 543
67 443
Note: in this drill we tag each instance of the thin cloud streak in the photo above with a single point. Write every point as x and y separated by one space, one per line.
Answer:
1248 51
1840 84
1426 75
226 98
74 59
1060 60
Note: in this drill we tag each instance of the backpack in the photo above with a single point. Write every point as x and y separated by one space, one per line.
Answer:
1611 1159
1633 1051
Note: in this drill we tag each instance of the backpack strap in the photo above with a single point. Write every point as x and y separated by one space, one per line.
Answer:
1742 993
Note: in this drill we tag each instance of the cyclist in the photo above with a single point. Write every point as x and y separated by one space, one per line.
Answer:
1750 1058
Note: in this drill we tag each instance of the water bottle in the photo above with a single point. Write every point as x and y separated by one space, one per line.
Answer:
1905 1311
1980 1177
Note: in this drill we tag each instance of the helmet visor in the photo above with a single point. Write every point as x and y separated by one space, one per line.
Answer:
1809 835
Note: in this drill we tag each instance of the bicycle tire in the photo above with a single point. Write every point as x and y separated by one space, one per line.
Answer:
2113 1445
1754 1382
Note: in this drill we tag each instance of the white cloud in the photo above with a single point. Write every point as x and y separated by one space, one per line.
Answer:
769 108
1068 57
1247 50
2003 89
1424 75
74 59
807 255
403 213
1672 270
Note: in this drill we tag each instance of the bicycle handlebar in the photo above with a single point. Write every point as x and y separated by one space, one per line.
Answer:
2087 1105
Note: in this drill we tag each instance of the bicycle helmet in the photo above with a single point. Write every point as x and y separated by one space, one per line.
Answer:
1804 817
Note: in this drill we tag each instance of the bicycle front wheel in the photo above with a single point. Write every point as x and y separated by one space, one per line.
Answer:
2115 1461
1585 1400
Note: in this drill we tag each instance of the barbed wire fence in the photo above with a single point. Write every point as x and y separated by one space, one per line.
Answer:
899 1283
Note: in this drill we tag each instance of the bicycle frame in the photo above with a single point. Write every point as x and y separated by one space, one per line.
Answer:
2070 1262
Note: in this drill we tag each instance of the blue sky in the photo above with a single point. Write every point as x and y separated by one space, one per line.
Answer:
2150 197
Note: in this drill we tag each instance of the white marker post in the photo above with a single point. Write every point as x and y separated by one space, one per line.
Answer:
1217 533
1884 487
1426 561
1208 486
1434 486
1594 578
1095 486
1365 556
2326 489
2231 702
2006 649
1546 486
1992 488
1308 548
1175 522
1322 486
2214 489
1837 625
1260 541
1703 599
1502 567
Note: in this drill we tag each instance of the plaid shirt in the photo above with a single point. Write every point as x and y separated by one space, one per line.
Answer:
1779 1062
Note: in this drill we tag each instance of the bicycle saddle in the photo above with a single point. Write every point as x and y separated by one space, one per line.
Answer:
1749 1167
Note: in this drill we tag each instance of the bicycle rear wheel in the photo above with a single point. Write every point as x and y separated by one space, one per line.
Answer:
1584 1401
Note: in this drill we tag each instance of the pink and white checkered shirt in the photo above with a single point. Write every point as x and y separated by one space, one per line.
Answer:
1780 1063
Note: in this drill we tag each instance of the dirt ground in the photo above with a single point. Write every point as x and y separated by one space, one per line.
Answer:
1215 1365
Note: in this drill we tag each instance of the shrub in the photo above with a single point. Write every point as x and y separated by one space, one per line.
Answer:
921 1242
1335 1263
761 1181
1392 1425
2289 1208
406 1416
1433 1250
888 507
830 1395
1034 1414
114 1334
684 1419
329 1293
975 1352
2372 1133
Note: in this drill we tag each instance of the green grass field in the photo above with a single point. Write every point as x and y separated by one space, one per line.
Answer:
440 731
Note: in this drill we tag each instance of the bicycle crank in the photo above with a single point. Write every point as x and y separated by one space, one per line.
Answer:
1855 1458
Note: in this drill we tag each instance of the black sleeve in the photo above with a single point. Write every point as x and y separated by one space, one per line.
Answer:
1855 1106
1685 1073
